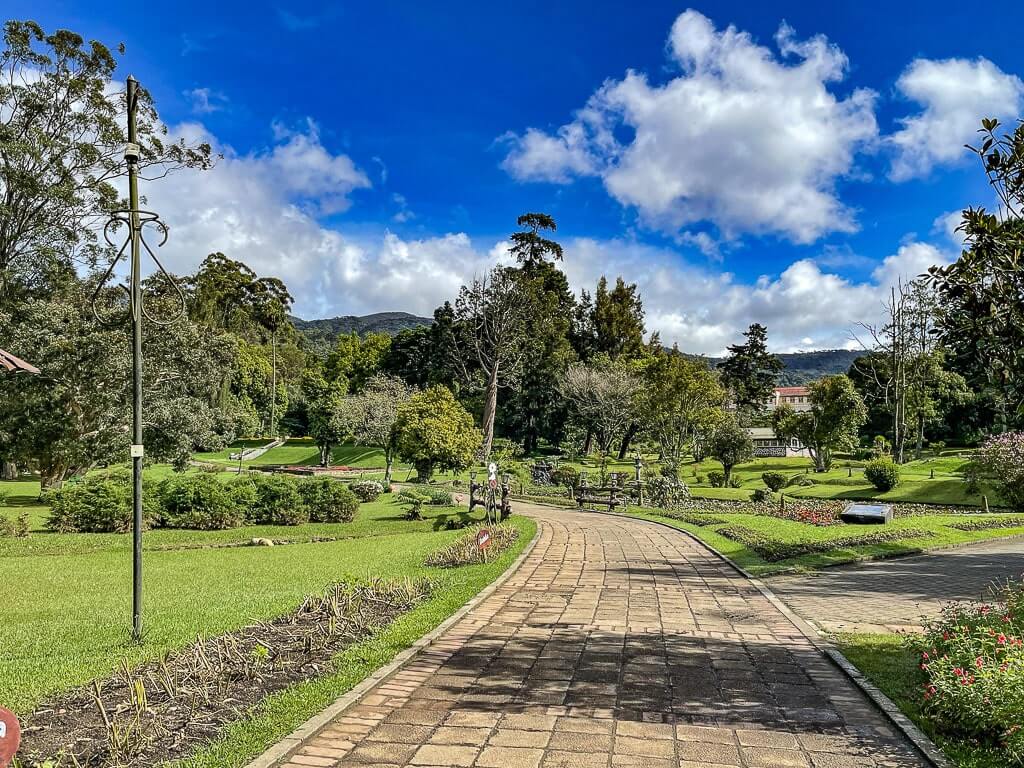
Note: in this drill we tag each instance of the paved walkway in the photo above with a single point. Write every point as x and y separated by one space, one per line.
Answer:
617 643
890 595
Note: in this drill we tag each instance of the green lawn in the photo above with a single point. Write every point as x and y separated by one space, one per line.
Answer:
889 665
298 451
790 531
67 608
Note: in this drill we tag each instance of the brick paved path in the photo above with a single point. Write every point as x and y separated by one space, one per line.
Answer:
887 595
617 643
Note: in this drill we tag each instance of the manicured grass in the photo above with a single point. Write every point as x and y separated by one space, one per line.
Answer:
67 598
299 451
792 531
894 669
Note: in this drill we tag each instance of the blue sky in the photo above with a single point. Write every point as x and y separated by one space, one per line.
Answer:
740 162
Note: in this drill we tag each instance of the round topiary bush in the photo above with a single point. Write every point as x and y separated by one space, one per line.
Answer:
716 478
328 501
278 502
367 490
198 501
775 481
883 473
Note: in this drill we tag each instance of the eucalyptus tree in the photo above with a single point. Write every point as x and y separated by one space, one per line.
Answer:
61 129
488 337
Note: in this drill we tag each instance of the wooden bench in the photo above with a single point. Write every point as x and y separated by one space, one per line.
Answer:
608 497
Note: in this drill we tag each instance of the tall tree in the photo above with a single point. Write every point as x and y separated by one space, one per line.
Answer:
603 396
981 295
837 413
61 129
681 400
749 372
491 315
375 414
618 320
536 409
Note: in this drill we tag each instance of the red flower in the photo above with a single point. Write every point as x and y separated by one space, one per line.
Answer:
979 663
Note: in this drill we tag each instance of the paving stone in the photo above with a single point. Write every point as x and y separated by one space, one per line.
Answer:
616 644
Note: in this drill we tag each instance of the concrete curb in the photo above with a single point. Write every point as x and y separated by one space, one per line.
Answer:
293 740
913 734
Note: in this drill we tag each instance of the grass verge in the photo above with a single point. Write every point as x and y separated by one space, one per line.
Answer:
282 713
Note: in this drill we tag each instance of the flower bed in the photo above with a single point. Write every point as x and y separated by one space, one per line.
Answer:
973 660
988 523
773 550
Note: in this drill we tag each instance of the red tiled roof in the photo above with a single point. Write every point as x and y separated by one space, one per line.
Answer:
11 363
792 391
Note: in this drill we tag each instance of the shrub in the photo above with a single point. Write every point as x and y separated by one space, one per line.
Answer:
98 505
665 492
973 659
278 502
15 529
775 481
198 501
800 480
566 476
716 478
1001 458
437 497
883 473
938 446
367 490
243 494
328 501
772 550
761 495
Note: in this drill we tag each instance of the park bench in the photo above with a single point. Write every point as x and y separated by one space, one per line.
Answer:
600 498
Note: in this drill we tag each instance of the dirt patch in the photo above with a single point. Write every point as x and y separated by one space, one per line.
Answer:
170 708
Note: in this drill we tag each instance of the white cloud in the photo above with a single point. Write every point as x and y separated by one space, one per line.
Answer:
955 95
206 100
742 137
704 311
244 209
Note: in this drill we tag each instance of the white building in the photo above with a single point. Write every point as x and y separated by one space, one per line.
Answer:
797 398
767 444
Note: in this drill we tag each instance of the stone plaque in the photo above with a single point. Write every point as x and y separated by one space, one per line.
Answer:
859 512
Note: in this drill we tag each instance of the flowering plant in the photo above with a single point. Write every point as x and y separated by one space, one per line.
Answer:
973 660
1001 458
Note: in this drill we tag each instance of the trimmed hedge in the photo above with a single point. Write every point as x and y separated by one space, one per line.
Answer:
367 490
328 501
775 481
103 504
772 550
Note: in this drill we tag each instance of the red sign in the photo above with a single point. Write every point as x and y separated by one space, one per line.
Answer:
483 538
493 482
10 736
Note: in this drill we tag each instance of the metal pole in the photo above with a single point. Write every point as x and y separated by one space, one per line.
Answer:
132 157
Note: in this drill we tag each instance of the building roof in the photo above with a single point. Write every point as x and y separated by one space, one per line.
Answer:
759 433
11 363
789 391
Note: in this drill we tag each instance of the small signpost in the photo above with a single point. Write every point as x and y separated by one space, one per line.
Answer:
483 539
867 513
10 736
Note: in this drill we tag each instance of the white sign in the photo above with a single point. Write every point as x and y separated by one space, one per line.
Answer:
137 452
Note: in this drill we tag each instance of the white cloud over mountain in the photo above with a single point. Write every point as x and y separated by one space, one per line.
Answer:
262 208
954 94
750 139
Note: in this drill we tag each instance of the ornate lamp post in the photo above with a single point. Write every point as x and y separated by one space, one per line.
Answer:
135 219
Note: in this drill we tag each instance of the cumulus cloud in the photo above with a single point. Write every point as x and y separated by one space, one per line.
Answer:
702 310
955 94
246 209
749 139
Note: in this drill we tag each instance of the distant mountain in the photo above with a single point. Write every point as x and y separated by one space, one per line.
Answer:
804 367
323 333
801 367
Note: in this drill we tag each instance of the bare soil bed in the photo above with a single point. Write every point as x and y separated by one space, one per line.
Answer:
168 709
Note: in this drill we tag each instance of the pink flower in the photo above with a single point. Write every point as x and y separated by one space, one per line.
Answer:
979 663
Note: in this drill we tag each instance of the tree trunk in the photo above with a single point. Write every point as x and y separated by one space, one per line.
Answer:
587 443
490 410
8 470
627 439
388 465
325 455
51 478
273 384
920 437
424 470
